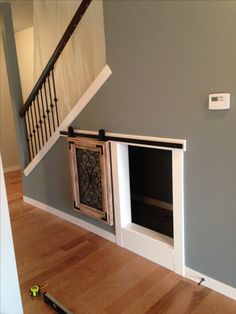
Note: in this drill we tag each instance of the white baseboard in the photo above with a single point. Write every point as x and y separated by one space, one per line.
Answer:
12 168
211 283
75 220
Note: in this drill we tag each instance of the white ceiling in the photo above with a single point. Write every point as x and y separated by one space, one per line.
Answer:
22 11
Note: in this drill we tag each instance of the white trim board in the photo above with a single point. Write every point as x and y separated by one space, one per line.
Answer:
211 283
75 220
9 283
12 168
75 111
127 235
149 244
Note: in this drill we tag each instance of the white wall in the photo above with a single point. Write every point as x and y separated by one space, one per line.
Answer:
9 285
25 52
8 142
84 55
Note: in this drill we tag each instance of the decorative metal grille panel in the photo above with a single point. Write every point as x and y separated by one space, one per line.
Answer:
89 177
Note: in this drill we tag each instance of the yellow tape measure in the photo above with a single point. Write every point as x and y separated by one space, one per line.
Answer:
34 291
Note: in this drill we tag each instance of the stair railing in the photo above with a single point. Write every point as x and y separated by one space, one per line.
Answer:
40 111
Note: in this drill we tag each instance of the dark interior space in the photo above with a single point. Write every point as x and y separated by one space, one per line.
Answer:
151 188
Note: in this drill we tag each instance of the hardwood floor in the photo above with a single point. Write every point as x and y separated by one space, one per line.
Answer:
90 275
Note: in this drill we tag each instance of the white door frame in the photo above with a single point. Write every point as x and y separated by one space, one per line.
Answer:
152 245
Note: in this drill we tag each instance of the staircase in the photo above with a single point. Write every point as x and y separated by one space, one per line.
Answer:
40 112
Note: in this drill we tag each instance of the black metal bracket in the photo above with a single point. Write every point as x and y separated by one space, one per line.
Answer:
101 135
71 131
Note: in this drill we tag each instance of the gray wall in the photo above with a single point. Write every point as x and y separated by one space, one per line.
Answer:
50 183
166 58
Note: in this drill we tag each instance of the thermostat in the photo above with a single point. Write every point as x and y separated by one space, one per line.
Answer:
219 101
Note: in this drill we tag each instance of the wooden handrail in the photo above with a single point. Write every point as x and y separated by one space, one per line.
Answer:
61 45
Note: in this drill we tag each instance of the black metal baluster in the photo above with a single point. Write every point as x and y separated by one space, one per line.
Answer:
43 116
32 133
36 125
51 102
55 96
40 120
47 110
27 132
34 128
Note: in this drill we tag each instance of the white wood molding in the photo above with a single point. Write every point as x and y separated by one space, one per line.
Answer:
178 209
12 168
211 283
75 111
9 284
149 244
121 188
140 137
116 195
75 220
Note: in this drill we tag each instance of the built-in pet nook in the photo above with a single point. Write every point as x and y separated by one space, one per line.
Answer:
140 180
151 188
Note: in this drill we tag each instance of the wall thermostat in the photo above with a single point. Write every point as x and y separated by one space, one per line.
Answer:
219 101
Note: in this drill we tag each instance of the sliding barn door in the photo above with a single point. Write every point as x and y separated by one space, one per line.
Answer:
91 178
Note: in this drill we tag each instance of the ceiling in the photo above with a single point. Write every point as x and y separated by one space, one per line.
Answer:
22 11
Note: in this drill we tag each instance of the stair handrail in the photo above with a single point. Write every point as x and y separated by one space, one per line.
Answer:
57 52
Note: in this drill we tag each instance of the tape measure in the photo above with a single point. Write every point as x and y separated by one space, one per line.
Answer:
34 291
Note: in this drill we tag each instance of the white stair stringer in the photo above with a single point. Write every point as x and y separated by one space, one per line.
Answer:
75 111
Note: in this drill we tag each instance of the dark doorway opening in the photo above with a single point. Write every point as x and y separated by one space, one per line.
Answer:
151 188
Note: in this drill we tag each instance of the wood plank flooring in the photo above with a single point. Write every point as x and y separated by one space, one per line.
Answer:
90 275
